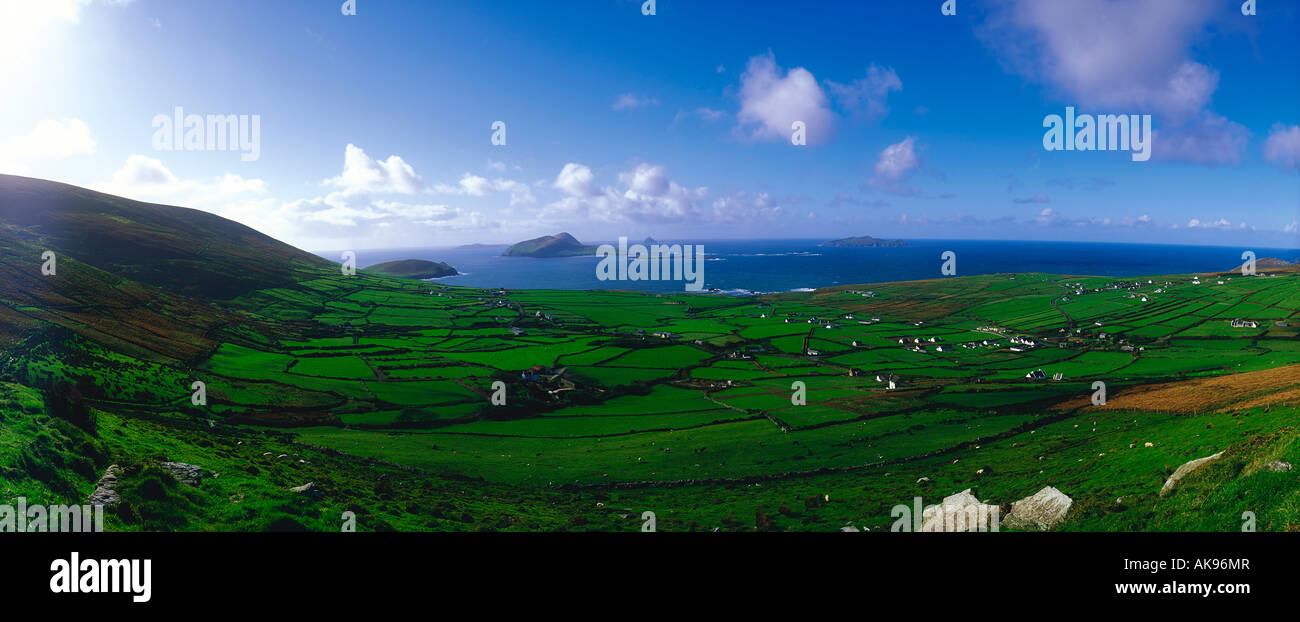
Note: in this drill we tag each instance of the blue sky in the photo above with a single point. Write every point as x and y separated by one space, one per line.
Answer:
375 128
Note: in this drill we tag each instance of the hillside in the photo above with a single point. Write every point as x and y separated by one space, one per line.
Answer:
376 390
558 245
1268 264
182 250
414 269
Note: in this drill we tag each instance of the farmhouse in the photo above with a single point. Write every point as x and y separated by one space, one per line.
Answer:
538 373
1037 374
1236 323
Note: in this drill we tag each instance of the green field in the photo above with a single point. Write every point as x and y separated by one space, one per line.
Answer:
393 395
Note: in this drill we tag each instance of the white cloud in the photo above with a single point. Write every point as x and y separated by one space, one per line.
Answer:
344 208
342 216
576 180
1283 147
1105 56
745 208
141 174
647 180
146 179
1208 139
363 173
49 139
1141 221
772 100
894 165
866 98
628 101
475 186
704 113
1037 198
1222 223
648 196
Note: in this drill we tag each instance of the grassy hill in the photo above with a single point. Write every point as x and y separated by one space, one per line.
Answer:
182 250
377 390
558 245
414 269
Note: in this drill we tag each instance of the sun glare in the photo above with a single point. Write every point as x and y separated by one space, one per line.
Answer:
24 26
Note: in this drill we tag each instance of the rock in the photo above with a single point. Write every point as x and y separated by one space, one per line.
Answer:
184 473
922 480
960 512
106 490
309 490
850 529
1278 466
1044 510
1185 470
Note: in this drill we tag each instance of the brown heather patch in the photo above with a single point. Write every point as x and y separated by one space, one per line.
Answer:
1221 393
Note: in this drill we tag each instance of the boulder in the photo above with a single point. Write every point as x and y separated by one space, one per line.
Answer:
184 473
1278 466
106 490
960 512
1044 510
1187 469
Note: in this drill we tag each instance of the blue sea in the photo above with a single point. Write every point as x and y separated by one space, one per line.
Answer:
762 266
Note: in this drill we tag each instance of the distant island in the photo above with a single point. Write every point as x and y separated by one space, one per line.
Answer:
413 269
863 241
474 246
558 245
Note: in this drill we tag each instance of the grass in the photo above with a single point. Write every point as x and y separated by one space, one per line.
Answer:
377 391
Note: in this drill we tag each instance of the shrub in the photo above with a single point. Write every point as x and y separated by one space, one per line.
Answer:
67 403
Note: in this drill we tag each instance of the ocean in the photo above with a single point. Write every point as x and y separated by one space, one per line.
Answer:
762 266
